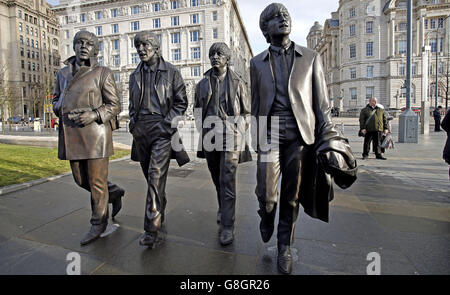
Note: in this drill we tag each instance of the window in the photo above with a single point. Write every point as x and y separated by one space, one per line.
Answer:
194 3
100 61
352 29
32 54
114 12
432 43
414 68
215 34
353 73
351 12
175 20
156 23
195 36
214 15
352 48
100 46
98 30
369 48
370 92
135 9
21 52
115 44
401 69
403 26
194 18
29 66
132 42
353 93
117 77
28 41
214 1
21 39
195 53
369 72
66 19
441 43
159 38
19 13
116 60
440 22
369 27
98 15
28 53
23 77
135 26
174 4
22 62
432 23
156 7
20 27
27 29
134 58
32 43
83 17
402 46
66 34
114 28
195 71
175 37
67 49
426 24
176 54
441 68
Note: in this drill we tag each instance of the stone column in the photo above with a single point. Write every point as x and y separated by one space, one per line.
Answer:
421 31
392 34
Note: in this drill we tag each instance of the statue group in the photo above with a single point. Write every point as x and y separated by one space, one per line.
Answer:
288 108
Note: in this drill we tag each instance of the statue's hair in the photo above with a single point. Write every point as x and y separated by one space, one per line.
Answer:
152 39
268 13
89 36
222 47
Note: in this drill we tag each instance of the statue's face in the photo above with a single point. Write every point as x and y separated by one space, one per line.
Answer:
144 49
218 59
84 48
279 24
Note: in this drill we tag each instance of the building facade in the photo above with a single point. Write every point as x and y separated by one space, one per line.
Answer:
29 56
186 30
363 48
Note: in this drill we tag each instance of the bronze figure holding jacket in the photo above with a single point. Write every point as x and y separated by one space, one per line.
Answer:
288 84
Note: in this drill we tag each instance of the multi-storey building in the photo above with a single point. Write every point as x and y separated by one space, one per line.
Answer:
186 30
363 48
29 55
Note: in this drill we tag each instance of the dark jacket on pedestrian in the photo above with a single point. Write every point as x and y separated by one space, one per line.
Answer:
171 92
240 101
91 89
437 114
378 122
446 126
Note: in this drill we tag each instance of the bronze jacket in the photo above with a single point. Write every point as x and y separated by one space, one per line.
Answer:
331 155
241 108
92 88
171 92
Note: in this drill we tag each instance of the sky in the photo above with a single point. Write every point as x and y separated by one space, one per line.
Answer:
303 13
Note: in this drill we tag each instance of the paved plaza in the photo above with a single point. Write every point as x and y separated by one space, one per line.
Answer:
399 208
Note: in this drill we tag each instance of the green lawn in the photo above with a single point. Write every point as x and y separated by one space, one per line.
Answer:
20 163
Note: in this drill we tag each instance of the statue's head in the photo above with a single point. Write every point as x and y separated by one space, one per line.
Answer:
85 45
275 21
147 45
219 55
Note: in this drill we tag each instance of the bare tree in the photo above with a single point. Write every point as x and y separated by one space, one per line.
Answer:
8 93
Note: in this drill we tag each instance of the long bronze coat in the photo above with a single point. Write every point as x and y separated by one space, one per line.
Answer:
332 155
240 101
171 92
92 88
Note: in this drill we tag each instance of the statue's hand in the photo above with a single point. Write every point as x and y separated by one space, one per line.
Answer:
85 118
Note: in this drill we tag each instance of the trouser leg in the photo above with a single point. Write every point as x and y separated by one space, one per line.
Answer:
156 180
366 146
92 175
376 142
291 169
213 161
228 168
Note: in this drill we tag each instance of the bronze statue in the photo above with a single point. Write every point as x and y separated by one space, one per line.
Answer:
288 84
87 103
222 98
157 97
